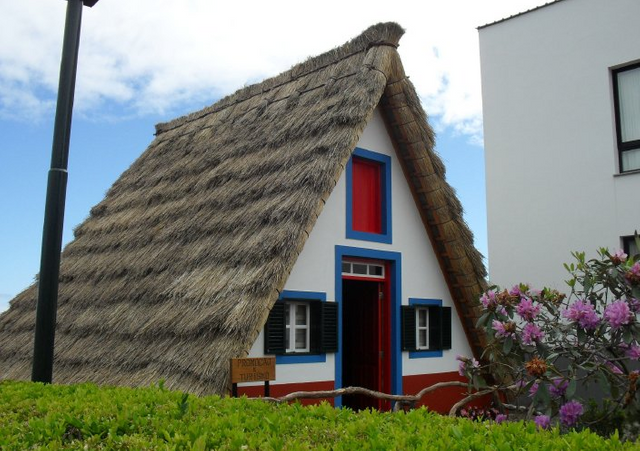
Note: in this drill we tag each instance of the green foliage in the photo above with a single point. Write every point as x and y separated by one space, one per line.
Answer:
37 416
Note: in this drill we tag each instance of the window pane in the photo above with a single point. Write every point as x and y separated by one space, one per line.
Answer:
422 338
629 245
287 341
287 314
629 97
630 160
301 315
422 318
366 195
359 268
375 270
346 267
301 338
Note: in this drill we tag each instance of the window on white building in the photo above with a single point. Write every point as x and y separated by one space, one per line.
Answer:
301 325
626 90
422 328
629 245
426 327
296 323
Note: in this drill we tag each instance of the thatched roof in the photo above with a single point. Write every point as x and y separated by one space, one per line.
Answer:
175 271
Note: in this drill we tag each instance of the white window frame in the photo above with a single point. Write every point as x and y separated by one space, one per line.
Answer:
424 328
291 327
371 267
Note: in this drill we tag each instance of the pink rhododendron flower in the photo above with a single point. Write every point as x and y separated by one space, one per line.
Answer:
583 313
500 418
515 290
542 421
618 257
533 390
634 305
633 275
615 369
558 387
618 314
570 412
464 362
488 300
461 365
503 330
527 310
633 352
531 333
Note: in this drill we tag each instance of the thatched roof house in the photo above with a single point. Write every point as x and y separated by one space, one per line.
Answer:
177 269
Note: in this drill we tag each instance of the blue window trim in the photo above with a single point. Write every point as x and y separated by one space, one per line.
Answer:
395 259
285 359
424 302
385 161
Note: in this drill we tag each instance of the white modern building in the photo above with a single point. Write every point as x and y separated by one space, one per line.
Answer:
561 99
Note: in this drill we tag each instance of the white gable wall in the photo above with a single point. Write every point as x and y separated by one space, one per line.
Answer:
421 274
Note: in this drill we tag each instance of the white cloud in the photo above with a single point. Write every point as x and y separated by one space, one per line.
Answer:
148 56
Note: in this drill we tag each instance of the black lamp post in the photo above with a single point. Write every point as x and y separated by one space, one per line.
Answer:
42 370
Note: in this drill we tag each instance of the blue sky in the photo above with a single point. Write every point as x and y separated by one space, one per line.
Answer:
149 62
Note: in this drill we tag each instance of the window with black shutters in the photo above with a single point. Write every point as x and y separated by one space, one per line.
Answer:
301 326
426 327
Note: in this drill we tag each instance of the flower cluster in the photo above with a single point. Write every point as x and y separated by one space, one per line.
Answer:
618 314
633 275
527 310
542 421
504 330
558 387
481 413
536 367
618 257
583 313
531 334
467 365
570 412
632 351
551 344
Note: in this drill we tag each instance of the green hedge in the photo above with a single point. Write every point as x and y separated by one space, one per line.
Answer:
85 416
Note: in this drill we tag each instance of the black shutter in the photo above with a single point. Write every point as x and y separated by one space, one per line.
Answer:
408 328
435 322
315 347
274 330
446 328
329 327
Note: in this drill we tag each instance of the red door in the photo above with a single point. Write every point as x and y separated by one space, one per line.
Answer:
366 344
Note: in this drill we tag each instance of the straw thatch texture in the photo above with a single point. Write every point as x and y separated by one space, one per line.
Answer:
175 271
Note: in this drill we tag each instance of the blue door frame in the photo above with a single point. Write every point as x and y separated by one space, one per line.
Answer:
395 261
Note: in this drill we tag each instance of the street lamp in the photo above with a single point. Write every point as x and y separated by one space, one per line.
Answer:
42 369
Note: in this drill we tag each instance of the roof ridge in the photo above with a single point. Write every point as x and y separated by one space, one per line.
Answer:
381 34
522 13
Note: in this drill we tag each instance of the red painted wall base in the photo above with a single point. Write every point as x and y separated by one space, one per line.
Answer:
284 389
439 401
443 399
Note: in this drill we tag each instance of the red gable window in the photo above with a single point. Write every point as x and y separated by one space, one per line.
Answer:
366 196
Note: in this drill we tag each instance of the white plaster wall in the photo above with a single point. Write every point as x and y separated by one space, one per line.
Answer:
421 275
550 142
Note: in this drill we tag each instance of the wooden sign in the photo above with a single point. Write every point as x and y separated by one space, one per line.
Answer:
253 369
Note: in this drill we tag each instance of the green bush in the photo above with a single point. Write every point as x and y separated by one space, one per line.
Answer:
37 416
